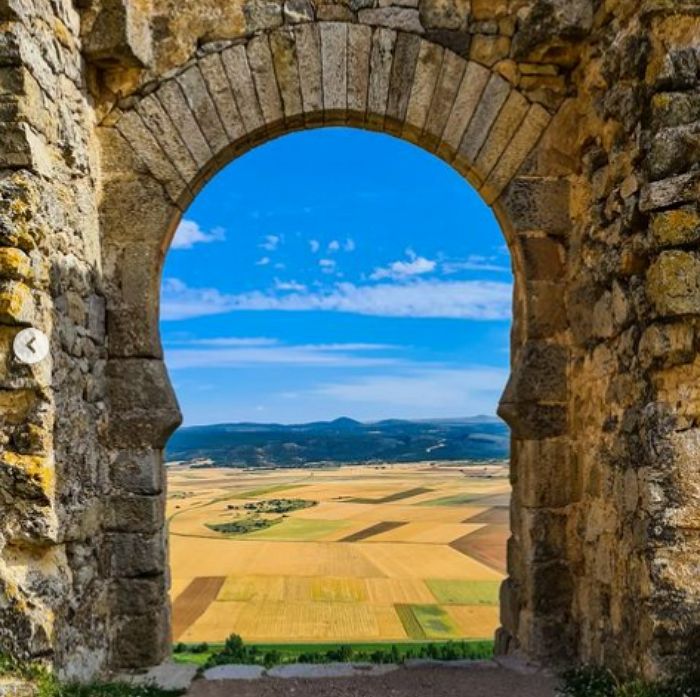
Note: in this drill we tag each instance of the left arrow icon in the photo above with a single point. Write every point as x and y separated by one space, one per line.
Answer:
30 346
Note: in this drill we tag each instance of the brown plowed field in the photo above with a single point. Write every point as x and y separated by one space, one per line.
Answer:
485 545
372 531
192 603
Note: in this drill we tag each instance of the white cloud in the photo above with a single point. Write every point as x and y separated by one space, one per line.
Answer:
189 233
475 300
431 392
473 262
264 261
399 270
327 265
333 246
315 246
270 243
349 245
289 285
222 355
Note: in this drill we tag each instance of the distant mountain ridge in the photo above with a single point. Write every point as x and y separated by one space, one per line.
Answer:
341 441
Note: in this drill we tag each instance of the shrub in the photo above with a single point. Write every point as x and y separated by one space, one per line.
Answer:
598 682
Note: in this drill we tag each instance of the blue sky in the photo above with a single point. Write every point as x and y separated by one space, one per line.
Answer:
336 272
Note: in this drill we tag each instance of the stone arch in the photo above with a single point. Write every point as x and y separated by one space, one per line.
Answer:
161 145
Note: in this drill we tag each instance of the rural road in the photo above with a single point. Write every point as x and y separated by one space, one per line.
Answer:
423 682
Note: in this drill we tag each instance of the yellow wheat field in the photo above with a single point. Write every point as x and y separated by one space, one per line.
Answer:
301 580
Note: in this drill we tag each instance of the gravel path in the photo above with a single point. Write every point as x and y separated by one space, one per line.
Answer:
422 682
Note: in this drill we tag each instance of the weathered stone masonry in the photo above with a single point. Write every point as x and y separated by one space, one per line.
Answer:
577 120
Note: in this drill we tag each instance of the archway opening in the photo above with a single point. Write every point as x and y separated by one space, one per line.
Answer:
338 343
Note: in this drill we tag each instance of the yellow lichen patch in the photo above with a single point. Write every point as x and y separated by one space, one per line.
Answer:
16 404
15 302
35 467
14 263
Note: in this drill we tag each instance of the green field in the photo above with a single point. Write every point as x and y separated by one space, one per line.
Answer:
427 622
298 529
451 592
289 653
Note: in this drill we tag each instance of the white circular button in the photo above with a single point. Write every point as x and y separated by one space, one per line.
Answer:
31 346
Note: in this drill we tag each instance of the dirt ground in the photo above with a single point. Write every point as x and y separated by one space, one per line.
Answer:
424 682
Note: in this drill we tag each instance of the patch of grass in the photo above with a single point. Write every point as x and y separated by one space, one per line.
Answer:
410 622
299 529
379 652
435 622
598 682
47 685
264 490
244 525
455 500
458 592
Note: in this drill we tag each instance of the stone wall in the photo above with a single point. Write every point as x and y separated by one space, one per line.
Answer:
577 121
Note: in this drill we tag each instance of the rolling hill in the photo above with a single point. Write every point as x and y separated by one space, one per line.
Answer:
341 441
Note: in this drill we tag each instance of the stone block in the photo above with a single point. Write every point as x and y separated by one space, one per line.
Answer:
138 596
539 373
283 45
553 588
546 474
399 18
444 14
148 149
546 309
142 640
543 259
671 109
334 13
131 555
143 406
138 472
308 42
678 226
449 80
473 83
135 513
296 11
262 70
538 203
489 50
503 129
16 303
175 105
490 103
359 50
403 69
334 62
674 191
673 150
667 344
220 90
15 264
119 34
531 420
163 129
425 78
673 284
514 156
197 95
238 72
380 62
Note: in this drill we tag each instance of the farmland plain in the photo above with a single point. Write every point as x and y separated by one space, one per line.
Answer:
365 553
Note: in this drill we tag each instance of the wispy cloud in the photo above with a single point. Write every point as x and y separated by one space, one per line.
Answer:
399 270
473 262
270 243
234 352
473 390
263 261
333 246
475 300
315 245
349 245
189 233
289 286
327 265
